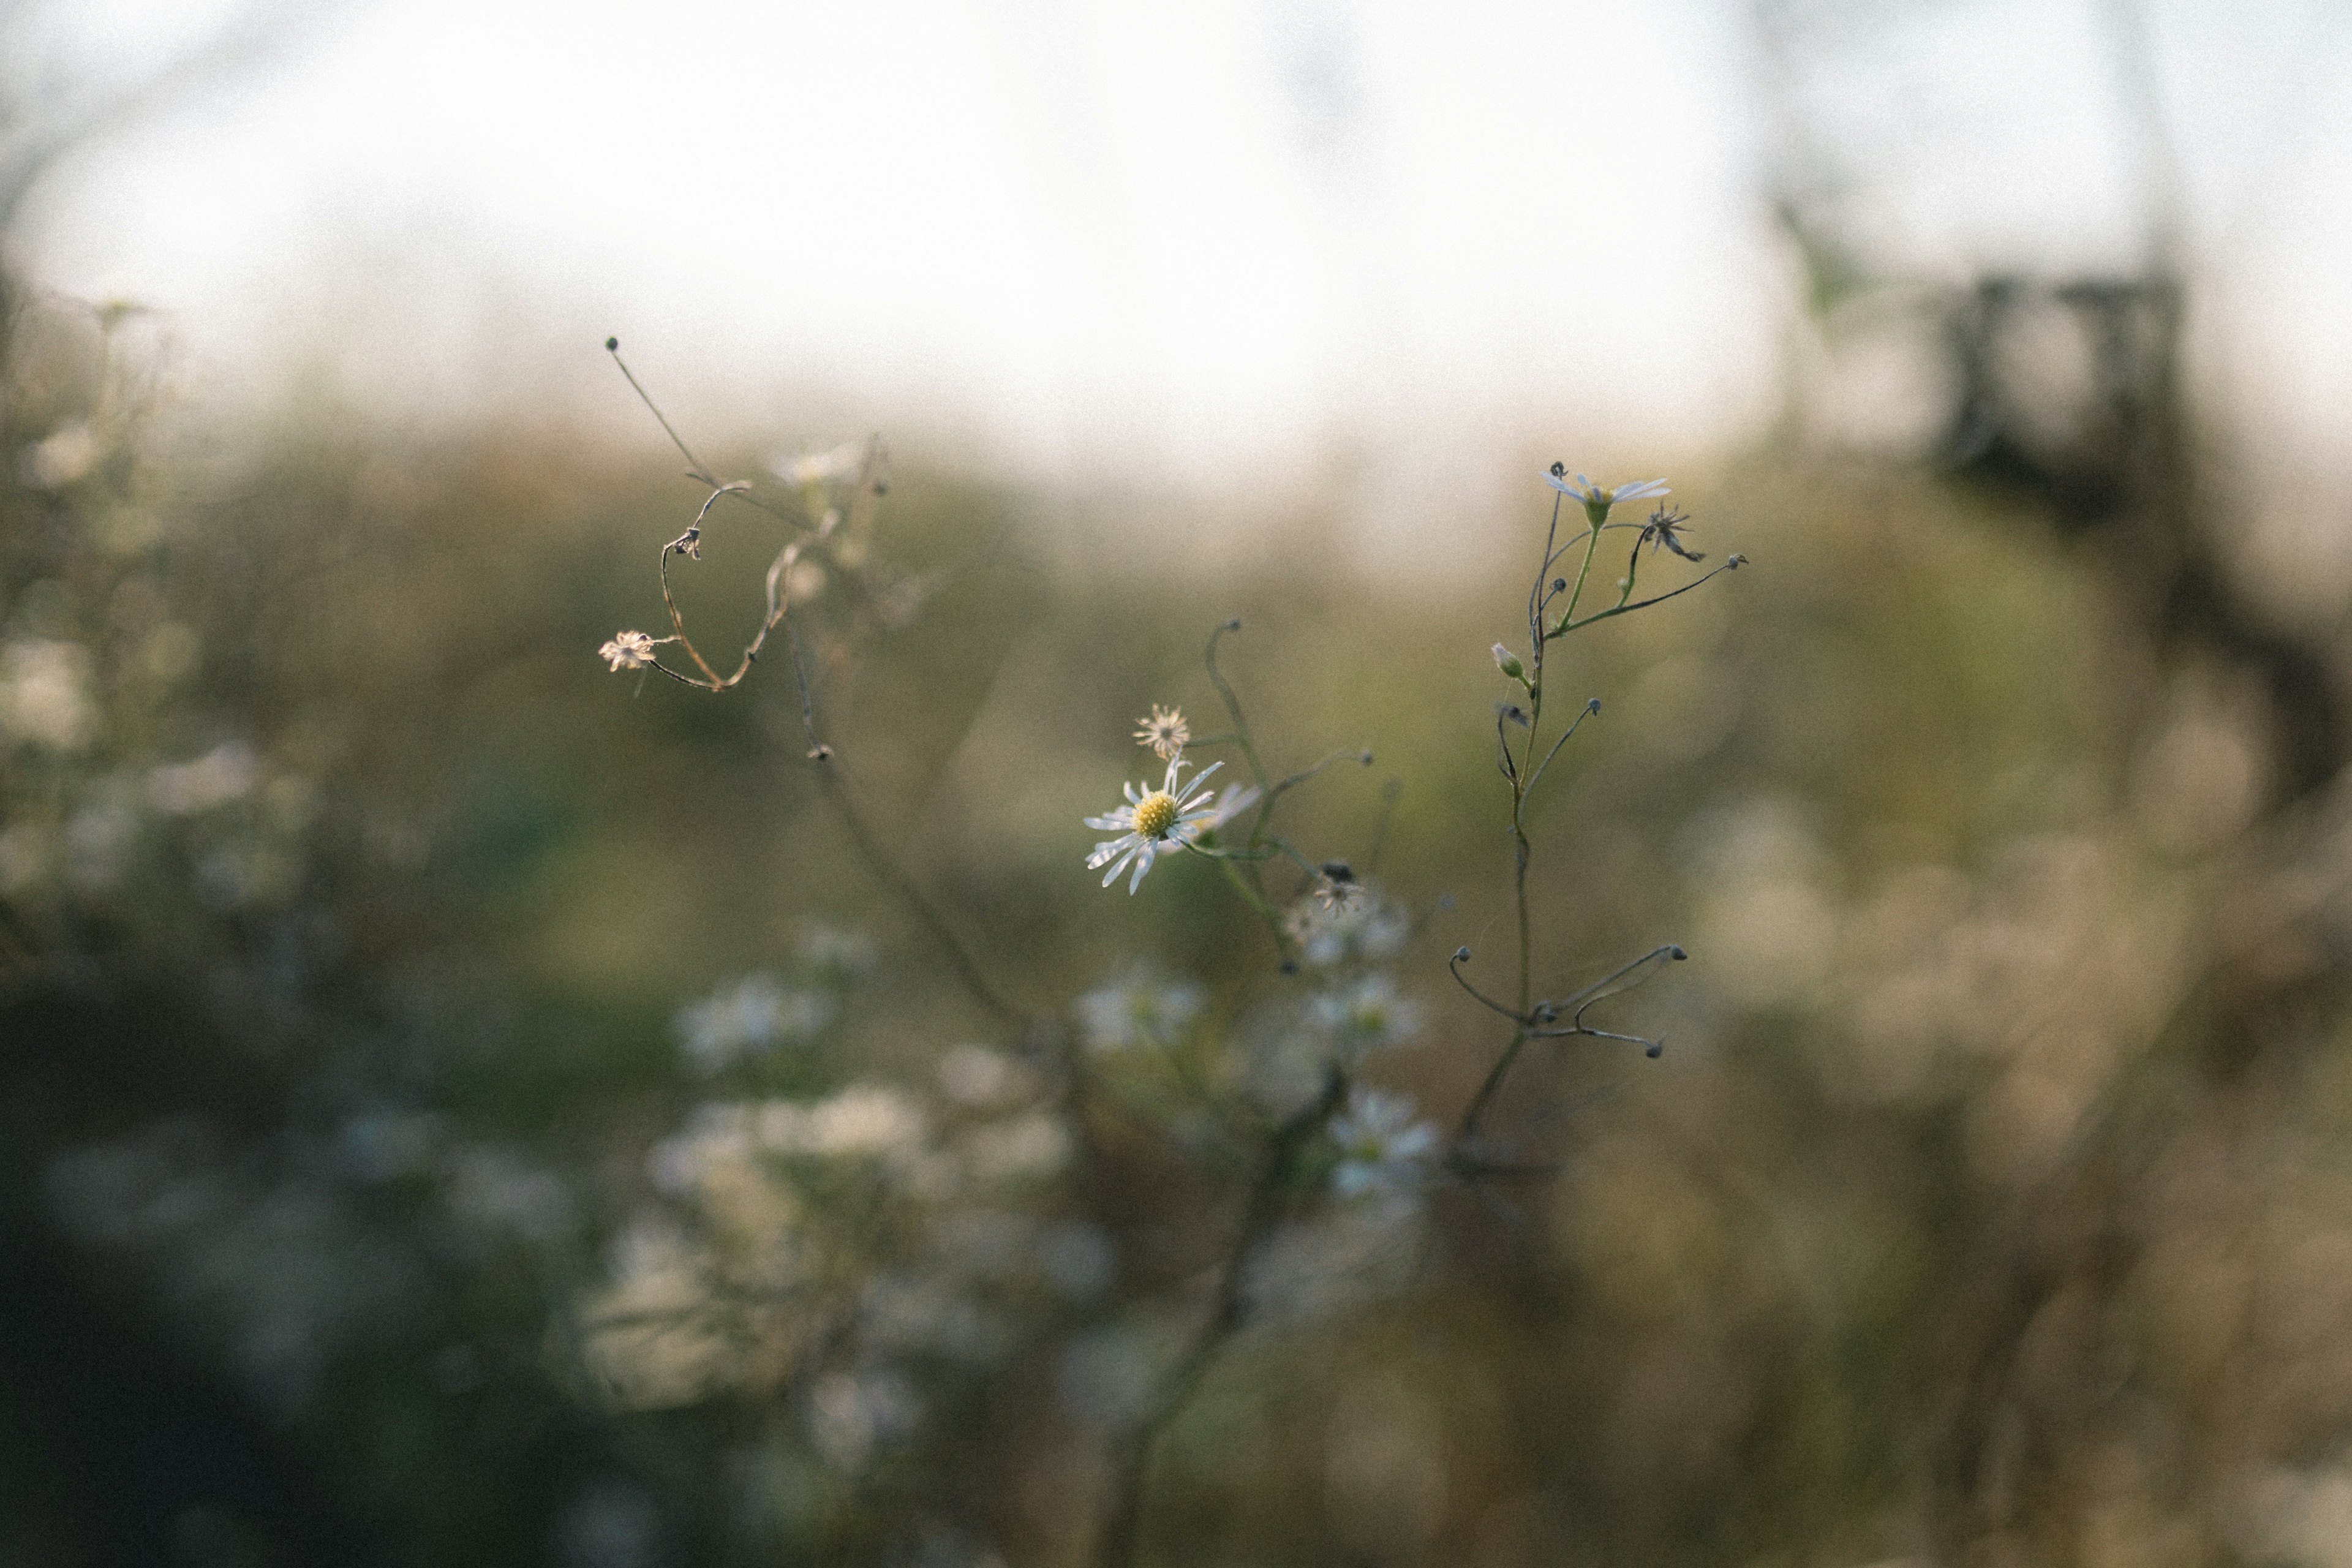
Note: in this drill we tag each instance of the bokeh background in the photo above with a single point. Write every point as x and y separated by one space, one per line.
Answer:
368 953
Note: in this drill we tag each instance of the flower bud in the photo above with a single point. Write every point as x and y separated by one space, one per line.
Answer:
1509 663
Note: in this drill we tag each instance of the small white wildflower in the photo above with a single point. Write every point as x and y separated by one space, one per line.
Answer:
826 946
45 695
69 454
1166 818
807 468
628 650
1367 1015
1382 1147
1598 499
978 1077
228 773
1365 928
1027 1147
1165 731
863 1120
755 1014
1137 1009
850 1413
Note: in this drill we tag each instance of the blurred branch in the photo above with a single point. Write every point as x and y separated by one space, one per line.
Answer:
35 134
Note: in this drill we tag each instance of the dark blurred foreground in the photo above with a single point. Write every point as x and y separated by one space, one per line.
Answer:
364 940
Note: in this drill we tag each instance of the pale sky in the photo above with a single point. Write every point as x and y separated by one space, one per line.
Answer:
1219 238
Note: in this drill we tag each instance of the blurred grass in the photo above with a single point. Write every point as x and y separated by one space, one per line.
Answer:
1881 784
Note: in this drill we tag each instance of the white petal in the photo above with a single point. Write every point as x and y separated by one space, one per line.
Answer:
1142 864
1116 822
1237 800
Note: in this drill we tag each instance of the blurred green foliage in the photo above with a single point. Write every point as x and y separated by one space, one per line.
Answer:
352 908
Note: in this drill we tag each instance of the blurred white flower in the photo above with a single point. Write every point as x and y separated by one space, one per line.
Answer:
825 946
850 1413
978 1077
807 468
1364 928
29 854
66 456
1382 1146
101 837
1026 1147
1137 1009
1165 818
628 650
1079 1258
864 1119
1367 1014
497 1189
45 695
714 1137
755 1014
224 774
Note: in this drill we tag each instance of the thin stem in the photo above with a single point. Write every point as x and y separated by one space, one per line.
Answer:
779 599
1228 1312
1477 1109
1584 568
1390 793
1454 967
1582 713
699 470
1567 625
887 870
1252 897
1234 704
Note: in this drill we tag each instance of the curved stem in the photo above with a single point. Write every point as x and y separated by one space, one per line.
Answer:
1228 1312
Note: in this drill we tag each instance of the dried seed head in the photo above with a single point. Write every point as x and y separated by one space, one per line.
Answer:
628 650
1165 731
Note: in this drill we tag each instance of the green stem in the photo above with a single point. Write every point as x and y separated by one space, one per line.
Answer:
1123 1527
1591 543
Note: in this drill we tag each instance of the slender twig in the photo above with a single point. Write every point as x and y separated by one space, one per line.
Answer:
1228 1312
1731 563
1454 967
699 470
1586 711
1390 793
887 870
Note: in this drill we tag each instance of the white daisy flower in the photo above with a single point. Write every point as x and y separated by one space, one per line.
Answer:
1601 498
1381 1145
1153 821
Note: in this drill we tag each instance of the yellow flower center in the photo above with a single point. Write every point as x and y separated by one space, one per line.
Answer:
1155 814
